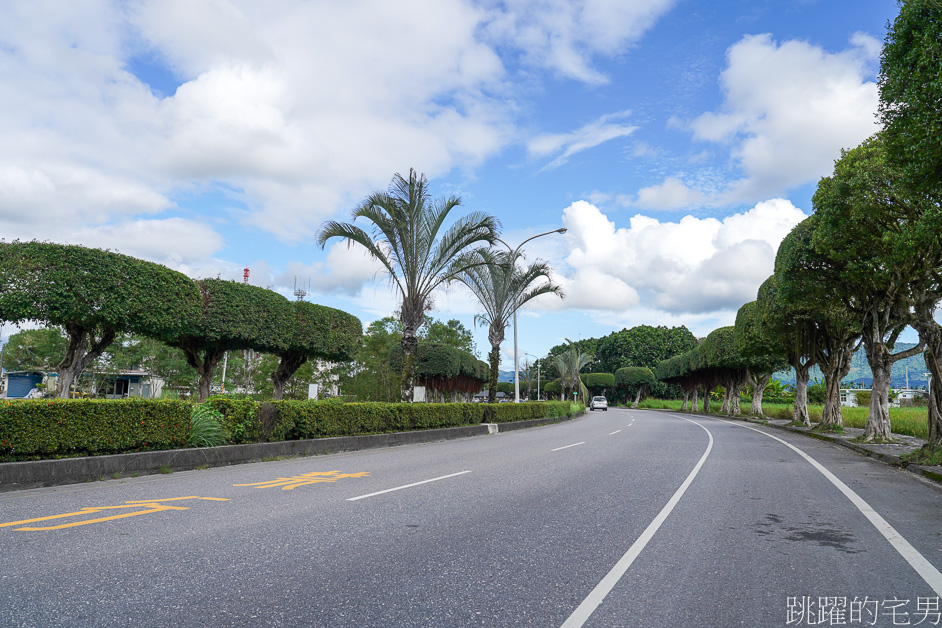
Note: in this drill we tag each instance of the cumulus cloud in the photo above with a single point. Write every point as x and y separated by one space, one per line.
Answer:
345 271
670 194
788 109
564 35
565 145
691 266
276 106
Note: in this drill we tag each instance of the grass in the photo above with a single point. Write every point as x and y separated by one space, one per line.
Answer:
906 421
166 470
927 456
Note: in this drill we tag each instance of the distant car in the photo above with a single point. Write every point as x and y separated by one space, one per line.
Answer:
598 403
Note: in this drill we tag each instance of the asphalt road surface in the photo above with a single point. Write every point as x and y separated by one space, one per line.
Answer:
620 518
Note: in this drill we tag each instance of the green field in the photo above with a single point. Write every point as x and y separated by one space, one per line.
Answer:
907 421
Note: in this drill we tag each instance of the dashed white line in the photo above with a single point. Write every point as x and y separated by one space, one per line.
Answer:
399 488
615 432
603 588
568 446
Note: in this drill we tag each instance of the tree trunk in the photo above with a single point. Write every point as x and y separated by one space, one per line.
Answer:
802 375
835 368
683 406
706 400
735 393
637 398
930 334
409 344
79 355
694 406
204 366
881 363
727 396
759 382
494 360
291 361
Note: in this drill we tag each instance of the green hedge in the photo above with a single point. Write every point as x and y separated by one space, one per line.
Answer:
34 429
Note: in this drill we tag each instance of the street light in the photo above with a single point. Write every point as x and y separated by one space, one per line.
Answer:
537 360
514 253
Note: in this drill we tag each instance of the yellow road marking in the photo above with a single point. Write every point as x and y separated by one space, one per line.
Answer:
153 504
315 477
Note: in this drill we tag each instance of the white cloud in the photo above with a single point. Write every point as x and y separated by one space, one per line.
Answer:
564 35
787 112
691 266
589 136
789 109
671 194
278 104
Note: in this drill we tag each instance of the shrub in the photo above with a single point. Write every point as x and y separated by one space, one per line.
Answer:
41 428
238 418
206 427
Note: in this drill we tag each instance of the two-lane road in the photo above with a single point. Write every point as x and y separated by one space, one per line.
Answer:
621 518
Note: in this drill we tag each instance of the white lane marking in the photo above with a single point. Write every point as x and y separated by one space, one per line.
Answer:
399 488
568 446
916 560
603 588
615 432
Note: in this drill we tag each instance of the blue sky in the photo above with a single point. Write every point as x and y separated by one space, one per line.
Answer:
677 141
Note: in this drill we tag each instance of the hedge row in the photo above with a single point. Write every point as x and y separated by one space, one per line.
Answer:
34 429
87 427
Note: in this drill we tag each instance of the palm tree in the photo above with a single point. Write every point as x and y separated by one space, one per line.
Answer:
502 288
569 365
405 240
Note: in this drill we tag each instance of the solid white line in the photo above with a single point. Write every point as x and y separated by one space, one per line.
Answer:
615 432
916 560
399 488
603 588
568 446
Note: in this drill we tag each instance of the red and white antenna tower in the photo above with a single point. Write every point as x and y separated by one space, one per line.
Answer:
245 275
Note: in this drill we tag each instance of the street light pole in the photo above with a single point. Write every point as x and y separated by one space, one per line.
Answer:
514 253
537 373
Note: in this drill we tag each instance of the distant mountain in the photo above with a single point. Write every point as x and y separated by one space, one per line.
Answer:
506 376
914 367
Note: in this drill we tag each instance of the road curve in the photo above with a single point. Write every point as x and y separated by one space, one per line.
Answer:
693 520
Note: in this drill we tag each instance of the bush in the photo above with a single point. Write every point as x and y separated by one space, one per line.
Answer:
206 427
40 428
319 419
35 429
239 418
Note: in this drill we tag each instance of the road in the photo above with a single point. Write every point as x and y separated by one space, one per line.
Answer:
621 518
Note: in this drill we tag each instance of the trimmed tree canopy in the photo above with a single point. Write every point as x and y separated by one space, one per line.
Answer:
93 295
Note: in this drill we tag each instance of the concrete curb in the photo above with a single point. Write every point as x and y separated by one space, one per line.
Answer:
930 473
16 476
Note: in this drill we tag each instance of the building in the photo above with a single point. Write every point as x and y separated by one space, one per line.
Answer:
18 384
904 396
120 385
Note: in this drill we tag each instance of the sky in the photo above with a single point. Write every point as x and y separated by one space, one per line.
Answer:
677 141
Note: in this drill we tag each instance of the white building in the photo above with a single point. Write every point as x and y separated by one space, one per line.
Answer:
904 397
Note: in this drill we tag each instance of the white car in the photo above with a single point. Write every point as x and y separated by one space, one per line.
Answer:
598 403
